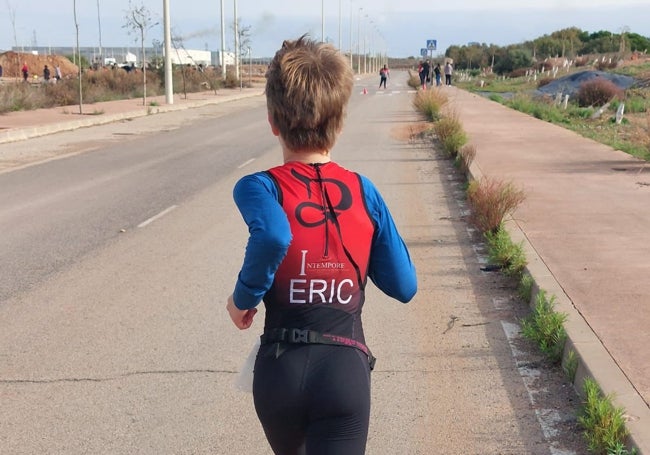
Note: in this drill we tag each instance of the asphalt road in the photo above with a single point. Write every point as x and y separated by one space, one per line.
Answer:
117 259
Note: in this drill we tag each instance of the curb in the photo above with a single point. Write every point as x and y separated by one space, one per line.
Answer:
594 361
21 134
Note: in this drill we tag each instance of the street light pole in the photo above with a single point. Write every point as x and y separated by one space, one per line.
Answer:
340 43
322 21
365 58
99 24
222 56
169 84
236 44
359 42
351 64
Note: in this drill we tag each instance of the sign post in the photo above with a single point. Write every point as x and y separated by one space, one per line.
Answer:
432 45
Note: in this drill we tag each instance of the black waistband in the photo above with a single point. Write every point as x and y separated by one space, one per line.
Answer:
298 336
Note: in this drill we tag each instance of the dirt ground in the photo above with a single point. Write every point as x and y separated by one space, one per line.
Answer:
12 63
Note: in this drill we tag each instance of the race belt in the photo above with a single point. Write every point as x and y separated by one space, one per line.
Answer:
298 336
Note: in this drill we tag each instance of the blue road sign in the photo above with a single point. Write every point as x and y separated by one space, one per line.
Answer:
432 44
424 52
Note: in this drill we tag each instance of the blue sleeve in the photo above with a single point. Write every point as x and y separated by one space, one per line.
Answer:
390 267
269 237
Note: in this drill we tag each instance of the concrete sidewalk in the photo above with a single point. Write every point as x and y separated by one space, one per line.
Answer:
584 226
17 126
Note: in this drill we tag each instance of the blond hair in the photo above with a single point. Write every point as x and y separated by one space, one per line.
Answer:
308 86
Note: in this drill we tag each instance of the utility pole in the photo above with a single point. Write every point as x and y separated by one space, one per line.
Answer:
169 81
222 56
351 63
359 42
76 25
236 44
340 25
99 24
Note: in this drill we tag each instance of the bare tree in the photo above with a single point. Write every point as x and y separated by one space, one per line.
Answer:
242 43
12 17
76 24
138 21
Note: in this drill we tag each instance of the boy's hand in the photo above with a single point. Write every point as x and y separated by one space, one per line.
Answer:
242 319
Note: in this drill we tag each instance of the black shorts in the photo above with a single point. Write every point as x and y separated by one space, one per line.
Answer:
313 399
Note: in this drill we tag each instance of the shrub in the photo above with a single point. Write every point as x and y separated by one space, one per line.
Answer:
451 135
19 97
465 157
429 103
525 288
414 80
519 72
546 66
603 423
501 251
597 92
570 366
606 65
63 93
490 201
544 81
546 327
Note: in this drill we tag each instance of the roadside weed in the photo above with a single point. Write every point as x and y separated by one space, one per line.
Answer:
502 251
525 288
570 366
603 423
450 133
545 327
465 157
430 103
491 200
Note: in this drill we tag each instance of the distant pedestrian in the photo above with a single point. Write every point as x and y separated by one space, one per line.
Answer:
437 72
0 70
383 76
421 74
57 72
46 74
25 71
426 67
449 69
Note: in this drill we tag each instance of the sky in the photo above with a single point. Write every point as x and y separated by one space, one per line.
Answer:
398 28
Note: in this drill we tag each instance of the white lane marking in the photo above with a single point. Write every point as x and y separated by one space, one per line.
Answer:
246 163
155 217
548 419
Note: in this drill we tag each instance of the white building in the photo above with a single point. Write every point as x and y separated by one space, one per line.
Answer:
190 57
229 58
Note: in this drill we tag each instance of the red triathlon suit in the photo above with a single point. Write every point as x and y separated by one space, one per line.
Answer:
314 398
320 284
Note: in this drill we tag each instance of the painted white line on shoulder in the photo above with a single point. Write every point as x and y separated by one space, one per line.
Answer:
155 217
245 163
548 419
